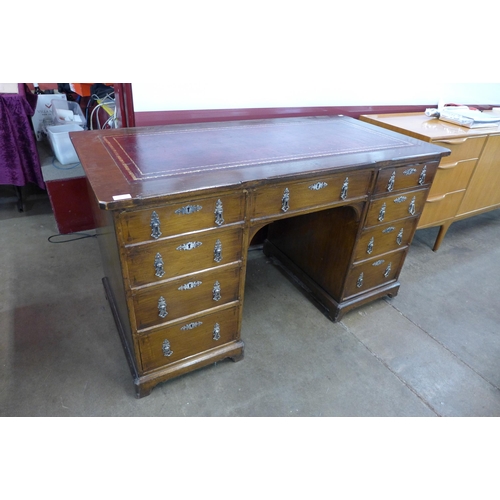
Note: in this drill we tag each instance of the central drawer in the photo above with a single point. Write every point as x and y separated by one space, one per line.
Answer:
289 197
181 340
184 296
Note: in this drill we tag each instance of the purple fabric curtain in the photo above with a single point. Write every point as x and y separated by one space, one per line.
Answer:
19 161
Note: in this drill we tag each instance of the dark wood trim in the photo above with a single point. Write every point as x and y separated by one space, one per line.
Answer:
125 105
151 118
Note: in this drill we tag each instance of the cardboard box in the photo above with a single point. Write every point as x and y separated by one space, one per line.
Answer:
43 114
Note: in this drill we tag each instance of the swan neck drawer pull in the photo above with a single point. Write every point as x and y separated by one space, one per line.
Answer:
285 200
166 348
159 271
216 332
219 213
390 184
162 307
345 187
155 226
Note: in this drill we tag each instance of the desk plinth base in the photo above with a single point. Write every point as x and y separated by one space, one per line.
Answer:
145 383
333 309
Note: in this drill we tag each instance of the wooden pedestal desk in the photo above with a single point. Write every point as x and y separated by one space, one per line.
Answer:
468 182
177 207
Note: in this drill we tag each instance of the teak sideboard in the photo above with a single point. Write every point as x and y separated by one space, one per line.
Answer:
177 208
467 183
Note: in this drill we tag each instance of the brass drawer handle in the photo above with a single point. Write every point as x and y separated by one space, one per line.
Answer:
218 251
345 187
159 271
285 200
359 282
216 332
411 207
388 270
421 177
166 348
162 307
369 248
381 215
390 184
155 226
399 237
219 213
216 291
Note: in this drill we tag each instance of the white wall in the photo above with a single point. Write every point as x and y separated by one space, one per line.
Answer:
278 92
215 54
210 54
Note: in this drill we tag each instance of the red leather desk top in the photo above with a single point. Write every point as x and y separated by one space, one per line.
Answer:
138 163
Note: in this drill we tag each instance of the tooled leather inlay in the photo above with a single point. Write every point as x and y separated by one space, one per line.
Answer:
163 152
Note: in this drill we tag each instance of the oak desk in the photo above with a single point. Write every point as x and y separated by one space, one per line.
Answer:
177 207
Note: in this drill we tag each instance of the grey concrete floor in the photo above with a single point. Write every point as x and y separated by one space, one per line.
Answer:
433 350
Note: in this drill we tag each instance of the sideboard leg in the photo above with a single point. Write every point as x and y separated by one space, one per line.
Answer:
440 236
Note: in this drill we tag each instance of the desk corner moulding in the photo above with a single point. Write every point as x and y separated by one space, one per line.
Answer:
177 207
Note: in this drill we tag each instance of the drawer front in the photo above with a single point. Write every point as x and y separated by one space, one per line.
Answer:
158 261
181 340
373 273
156 223
452 177
440 208
405 177
395 207
161 303
289 197
465 148
386 238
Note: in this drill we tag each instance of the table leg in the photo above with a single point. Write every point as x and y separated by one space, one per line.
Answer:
441 235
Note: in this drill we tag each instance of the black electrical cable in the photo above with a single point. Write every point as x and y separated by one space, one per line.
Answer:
80 236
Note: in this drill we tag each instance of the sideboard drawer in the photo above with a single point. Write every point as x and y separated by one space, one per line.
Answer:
452 177
156 223
289 197
374 272
463 148
185 296
405 177
185 339
161 260
440 208
395 207
382 239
